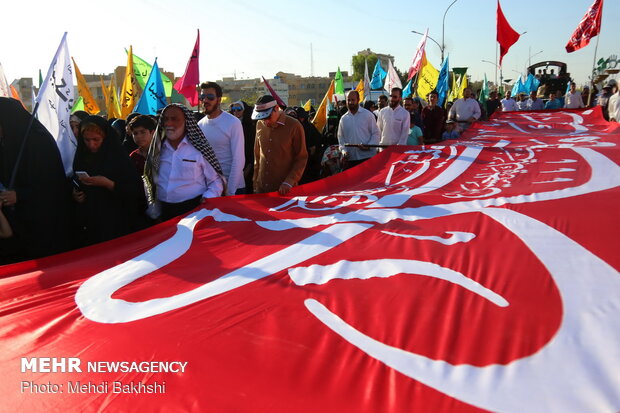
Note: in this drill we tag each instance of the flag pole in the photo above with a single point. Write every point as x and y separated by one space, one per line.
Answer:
414 85
496 66
23 146
593 67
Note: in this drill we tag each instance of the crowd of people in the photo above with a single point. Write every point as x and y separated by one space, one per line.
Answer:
135 172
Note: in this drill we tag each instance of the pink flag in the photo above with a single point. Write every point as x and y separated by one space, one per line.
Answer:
589 27
417 58
186 85
273 93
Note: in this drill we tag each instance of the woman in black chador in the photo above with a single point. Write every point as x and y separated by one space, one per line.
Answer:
110 198
37 203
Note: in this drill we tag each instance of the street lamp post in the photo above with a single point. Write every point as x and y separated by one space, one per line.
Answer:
441 46
443 26
530 55
435 41
501 76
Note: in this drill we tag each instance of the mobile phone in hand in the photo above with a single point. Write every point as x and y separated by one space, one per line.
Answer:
82 174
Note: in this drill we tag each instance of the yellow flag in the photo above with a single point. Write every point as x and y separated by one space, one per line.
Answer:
427 77
129 89
320 119
90 104
360 89
463 85
308 105
112 106
104 89
454 91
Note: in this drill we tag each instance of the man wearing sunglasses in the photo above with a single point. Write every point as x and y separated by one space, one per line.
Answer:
225 134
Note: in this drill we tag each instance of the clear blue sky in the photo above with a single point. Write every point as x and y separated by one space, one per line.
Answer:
254 38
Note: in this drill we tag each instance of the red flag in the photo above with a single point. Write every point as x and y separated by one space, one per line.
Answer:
186 85
589 27
273 93
506 35
451 279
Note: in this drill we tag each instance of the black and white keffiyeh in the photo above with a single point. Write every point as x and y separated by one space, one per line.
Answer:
195 137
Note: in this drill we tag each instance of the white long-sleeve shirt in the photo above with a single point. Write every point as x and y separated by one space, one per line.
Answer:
393 125
614 107
358 128
185 174
225 134
573 100
463 109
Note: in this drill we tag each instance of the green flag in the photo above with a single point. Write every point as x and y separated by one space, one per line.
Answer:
339 87
142 70
78 105
484 92
40 79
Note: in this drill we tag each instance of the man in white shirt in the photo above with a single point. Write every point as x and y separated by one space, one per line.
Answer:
357 127
573 100
393 121
614 107
225 134
181 168
466 110
508 103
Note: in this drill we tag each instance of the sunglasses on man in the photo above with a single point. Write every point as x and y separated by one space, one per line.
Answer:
209 96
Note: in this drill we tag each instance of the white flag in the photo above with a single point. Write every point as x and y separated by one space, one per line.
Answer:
5 90
366 82
55 100
416 62
391 80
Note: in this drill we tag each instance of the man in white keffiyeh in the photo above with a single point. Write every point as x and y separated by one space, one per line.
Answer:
181 168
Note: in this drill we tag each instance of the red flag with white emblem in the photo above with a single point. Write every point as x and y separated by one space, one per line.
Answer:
589 27
477 276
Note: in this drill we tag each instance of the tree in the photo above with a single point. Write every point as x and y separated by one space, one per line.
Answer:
357 62
251 96
403 76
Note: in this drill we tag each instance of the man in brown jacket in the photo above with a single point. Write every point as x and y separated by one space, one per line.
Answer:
279 150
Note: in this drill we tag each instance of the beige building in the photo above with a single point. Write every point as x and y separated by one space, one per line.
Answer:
294 90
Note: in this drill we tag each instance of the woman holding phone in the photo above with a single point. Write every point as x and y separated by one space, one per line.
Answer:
108 191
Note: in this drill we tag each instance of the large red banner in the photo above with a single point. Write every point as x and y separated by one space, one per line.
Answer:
477 276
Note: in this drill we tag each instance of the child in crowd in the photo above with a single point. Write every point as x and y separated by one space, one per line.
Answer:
451 131
415 134
142 128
